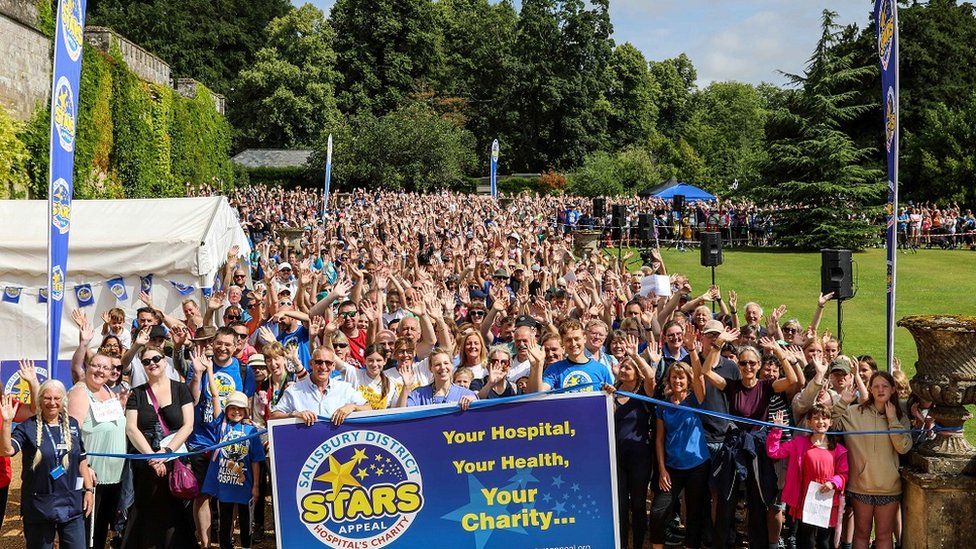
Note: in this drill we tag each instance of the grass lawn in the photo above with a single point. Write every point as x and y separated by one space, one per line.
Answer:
929 282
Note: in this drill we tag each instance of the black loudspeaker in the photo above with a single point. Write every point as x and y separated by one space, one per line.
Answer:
711 249
618 214
836 273
678 202
599 207
645 220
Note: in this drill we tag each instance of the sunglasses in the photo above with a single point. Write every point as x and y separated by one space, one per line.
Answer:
477 313
340 345
748 363
284 303
232 317
154 360
790 330
322 362
348 314
239 276
498 361
240 335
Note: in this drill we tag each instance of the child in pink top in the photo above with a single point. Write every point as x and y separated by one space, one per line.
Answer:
811 458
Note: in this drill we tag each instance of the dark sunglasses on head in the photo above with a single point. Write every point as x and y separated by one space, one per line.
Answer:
153 360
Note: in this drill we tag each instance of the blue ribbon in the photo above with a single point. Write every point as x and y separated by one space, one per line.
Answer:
756 422
410 415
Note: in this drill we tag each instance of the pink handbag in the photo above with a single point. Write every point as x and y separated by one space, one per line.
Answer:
182 482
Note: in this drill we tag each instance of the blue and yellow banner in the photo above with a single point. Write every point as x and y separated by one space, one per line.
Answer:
493 177
886 32
531 473
328 177
69 36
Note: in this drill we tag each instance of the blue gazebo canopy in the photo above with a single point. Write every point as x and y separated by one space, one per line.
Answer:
668 190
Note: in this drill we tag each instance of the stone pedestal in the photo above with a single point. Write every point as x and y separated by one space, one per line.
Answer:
585 242
939 510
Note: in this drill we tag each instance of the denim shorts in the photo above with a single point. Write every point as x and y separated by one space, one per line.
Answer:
875 500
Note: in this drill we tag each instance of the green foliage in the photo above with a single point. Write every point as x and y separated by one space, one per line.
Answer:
201 142
676 159
603 174
384 48
557 105
633 98
92 174
943 154
35 135
14 175
676 79
208 40
516 185
287 177
411 148
46 17
819 167
287 98
727 129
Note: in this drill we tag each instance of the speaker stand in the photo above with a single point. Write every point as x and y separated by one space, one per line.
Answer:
713 284
840 324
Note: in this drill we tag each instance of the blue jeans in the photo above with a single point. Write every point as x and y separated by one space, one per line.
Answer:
40 535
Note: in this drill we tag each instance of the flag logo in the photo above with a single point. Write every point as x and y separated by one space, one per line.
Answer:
359 489
42 295
11 294
145 283
57 283
117 287
84 294
886 32
61 206
72 28
891 118
64 114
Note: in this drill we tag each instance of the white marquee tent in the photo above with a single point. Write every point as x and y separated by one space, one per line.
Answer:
181 240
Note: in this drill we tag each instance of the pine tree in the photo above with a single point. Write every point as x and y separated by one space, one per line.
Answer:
830 188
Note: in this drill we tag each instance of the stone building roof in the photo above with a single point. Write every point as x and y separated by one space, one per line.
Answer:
272 158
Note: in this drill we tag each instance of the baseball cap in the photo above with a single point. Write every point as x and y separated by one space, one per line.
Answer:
238 399
713 326
501 272
526 320
841 364
284 266
157 332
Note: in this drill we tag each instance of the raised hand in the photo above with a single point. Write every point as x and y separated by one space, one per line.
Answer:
266 335
778 313
779 418
216 300
8 408
86 332
768 344
496 373
146 299
142 338
180 335
824 298
105 318
733 300
79 317
201 363
315 326
27 370
408 376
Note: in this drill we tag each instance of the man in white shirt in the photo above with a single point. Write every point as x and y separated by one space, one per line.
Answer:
319 395
525 338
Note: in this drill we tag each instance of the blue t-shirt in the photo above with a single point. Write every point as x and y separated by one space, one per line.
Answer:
425 395
228 380
684 436
568 374
230 476
297 338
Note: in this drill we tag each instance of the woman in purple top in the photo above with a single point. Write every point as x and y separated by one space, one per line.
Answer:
748 397
441 390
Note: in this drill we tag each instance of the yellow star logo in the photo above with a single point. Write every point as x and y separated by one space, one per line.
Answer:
360 455
362 474
339 474
379 457
63 99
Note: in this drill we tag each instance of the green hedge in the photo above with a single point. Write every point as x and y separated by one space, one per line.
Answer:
289 178
14 158
135 139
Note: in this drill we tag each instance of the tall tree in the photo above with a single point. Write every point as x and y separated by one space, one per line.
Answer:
557 105
727 128
209 40
287 97
676 78
830 183
633 98
478 39
943 154
386 51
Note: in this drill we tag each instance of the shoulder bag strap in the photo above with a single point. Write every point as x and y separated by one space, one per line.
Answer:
155 405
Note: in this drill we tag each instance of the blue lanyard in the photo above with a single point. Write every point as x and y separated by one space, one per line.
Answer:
54 444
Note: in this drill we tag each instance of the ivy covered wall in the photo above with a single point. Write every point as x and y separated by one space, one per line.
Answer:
135 139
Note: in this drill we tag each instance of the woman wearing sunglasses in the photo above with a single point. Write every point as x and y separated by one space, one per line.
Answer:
159 419
748 397
99 412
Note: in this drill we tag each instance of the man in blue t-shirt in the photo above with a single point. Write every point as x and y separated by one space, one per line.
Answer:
227 376
575 369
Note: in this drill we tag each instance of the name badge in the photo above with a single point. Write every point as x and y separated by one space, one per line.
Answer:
110 410
62 446
57 472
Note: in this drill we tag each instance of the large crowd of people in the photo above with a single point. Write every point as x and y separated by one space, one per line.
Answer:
397 300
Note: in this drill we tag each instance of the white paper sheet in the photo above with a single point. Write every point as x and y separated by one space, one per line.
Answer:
817 506
659 285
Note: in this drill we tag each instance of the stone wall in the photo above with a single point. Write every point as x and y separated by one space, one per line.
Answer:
146 65
187 87
25 59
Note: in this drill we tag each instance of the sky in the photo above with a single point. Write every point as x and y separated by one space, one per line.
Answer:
743 40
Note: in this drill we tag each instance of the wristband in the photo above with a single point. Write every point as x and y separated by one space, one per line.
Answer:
733 311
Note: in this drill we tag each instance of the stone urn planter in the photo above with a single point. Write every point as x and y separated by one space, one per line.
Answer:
586 241
946 376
